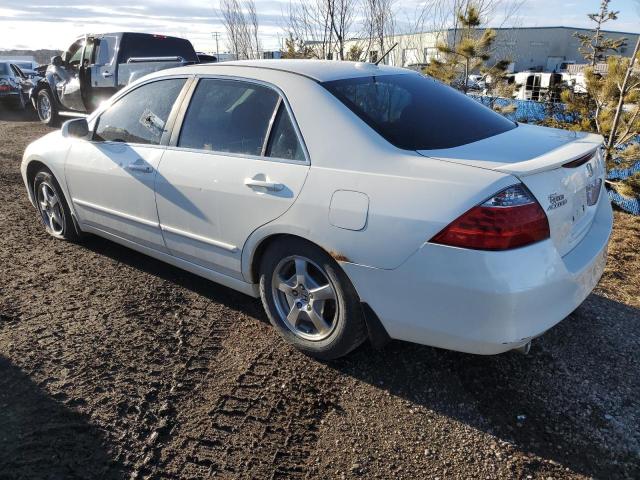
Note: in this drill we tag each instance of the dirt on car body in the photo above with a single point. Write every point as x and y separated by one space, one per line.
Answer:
114 365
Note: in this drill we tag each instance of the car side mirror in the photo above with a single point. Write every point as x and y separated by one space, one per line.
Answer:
77 128
57 61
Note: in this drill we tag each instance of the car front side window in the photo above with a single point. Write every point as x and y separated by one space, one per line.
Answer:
141 115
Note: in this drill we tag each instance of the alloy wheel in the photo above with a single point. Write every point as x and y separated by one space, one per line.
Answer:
51 209
305 298
44 108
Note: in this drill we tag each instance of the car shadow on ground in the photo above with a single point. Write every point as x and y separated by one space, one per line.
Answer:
211 290
41 438
562 402
8 114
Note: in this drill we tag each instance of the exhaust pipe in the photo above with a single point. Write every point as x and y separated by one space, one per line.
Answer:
524 349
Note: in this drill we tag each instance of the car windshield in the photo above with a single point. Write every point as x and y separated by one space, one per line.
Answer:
414 112
4 68
24 65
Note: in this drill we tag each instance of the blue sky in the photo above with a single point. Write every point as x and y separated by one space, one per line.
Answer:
54 23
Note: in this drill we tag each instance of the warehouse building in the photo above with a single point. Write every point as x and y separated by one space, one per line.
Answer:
529 48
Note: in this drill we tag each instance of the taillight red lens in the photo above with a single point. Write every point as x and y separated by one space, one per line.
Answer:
512 218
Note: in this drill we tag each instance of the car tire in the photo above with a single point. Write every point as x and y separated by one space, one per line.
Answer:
46 108
310 300
53 208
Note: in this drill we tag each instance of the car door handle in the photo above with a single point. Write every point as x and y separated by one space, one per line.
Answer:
139 168
107 74
271 186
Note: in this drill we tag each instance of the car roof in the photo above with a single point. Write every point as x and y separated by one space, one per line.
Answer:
319 70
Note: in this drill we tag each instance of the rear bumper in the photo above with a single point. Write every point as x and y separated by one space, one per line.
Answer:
9 96
484 302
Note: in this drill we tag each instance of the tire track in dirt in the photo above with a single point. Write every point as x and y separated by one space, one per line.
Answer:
200 353
261 421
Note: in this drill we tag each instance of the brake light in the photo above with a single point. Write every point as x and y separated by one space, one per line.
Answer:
511 218
4 88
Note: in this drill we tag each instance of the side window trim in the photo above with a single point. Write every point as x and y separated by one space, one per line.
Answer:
272 120
175 110
282 101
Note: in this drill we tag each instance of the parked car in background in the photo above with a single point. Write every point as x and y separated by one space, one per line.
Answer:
357 200
206 58
94 67
15 86
28 67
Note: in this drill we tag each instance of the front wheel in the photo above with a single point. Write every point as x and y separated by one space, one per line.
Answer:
52 207
46 108
310 300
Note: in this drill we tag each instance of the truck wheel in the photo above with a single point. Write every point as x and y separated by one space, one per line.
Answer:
46 108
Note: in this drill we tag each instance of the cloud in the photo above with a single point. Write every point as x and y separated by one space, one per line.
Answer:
45 24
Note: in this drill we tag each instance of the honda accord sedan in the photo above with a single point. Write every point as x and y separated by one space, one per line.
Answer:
358 201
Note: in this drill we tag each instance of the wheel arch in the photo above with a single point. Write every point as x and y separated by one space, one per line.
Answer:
376 332
33 167
55 167
256 247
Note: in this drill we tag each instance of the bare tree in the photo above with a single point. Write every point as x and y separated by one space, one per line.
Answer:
341 14
325 24
378 26
240 20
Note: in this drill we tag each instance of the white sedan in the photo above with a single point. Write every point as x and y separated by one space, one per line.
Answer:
358 201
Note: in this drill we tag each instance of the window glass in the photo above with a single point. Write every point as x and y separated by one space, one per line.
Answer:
4 68
284 140
137 45
415 112
74 54
228 116
106 49
140 116
88 53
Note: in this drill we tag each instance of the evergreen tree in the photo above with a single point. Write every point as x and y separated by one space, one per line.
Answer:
468 52
595 46
295 48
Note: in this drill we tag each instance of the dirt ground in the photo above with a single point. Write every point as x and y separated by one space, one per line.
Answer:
114 365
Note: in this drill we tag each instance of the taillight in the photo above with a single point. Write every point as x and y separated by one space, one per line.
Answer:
511 218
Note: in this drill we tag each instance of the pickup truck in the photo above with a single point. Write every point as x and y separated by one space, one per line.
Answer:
94 67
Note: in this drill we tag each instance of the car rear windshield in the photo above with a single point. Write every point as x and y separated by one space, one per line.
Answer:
137 45
414 112
4 69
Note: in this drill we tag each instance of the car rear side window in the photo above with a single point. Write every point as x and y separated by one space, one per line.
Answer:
284 142
228 116
140 116
414 112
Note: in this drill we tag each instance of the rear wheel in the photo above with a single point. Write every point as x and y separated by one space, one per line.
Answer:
53 208
310 300
46 108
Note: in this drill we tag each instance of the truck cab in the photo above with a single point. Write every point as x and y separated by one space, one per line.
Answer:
95 66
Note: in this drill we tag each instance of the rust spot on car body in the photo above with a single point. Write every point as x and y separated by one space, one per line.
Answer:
338 257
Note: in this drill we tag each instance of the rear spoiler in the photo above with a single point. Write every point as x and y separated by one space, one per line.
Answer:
155 59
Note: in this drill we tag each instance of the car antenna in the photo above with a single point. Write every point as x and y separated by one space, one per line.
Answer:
386 53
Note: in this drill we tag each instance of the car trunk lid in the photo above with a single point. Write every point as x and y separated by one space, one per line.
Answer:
564 170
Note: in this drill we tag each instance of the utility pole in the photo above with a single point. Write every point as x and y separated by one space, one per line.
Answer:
216 35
